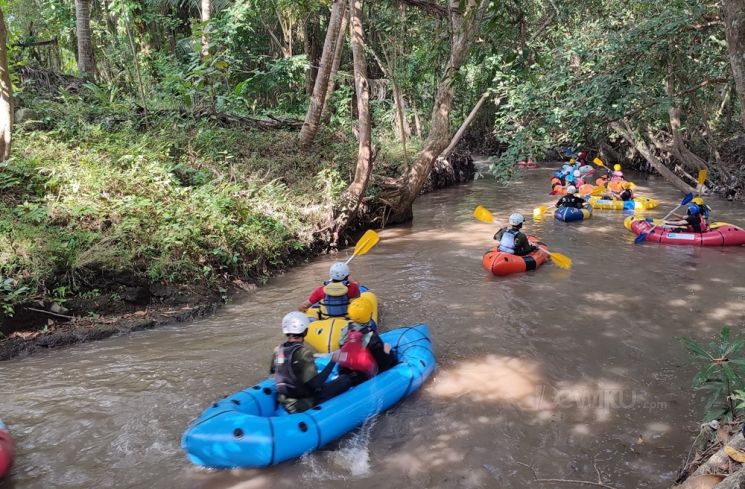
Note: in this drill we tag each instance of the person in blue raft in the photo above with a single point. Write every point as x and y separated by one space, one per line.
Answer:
363 354
299 384
512 240
571 199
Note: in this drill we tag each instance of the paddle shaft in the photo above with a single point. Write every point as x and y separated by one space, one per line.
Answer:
663 219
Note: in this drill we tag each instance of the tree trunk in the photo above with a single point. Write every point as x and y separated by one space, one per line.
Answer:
402 125
286 23
313 116
678 147
417 119
206 14
6 95
311 37
734 27
643 148
464 126
338 50
350 200
86 60
463 27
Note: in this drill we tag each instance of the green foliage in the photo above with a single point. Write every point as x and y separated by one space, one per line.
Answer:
721 373
632 60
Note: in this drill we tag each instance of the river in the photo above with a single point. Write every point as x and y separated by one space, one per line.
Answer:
566 371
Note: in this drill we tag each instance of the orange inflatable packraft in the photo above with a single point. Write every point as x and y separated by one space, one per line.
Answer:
501 263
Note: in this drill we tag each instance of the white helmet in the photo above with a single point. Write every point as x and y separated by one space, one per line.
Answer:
577 173
339 271
295 322
571 189
516 219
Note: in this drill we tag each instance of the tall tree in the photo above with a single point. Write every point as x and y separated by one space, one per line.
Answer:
352 196
734 22
6 95
86 59
313 116
464 24
335 64
312 48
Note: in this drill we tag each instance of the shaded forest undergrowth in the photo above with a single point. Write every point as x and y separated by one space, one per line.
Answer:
110 210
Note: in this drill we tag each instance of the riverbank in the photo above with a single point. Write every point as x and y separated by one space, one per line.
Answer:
113 223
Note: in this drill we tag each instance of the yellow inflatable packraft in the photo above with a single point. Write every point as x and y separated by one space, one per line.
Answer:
639 203
323 334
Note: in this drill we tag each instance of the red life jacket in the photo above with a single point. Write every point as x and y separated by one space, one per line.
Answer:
355 356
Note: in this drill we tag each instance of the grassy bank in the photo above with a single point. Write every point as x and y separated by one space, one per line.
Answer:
99 207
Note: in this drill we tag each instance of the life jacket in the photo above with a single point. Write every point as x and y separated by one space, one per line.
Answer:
354 355
336 300
507 242
706 212
285 376
702 221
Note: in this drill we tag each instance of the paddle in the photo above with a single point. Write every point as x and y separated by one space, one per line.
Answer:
540 210
599 162
643 236
597 191
365 243
561 261
702 174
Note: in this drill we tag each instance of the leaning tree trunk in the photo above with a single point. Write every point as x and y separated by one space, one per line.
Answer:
206 14
6 95
462 130
313 116
340 38
352 196
463 27
643 148
734 27
86 60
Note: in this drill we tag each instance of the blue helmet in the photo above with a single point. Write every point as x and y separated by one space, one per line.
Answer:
694 209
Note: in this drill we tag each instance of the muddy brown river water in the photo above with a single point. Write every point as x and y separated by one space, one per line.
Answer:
565 371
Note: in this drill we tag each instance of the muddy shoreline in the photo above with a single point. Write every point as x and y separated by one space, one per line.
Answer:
146 306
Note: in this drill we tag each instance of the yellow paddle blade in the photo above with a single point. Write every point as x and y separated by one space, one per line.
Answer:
633 185
365 243
597 191
538 211
561 261
598 162
482 214
702 174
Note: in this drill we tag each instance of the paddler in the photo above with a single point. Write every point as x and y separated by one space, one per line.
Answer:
512 239
334 295
299 384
